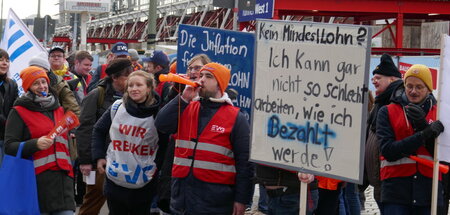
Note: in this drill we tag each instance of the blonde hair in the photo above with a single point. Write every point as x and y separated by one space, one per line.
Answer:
150 84
202 57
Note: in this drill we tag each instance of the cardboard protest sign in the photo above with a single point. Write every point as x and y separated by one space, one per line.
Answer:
310 97
233 49
444 100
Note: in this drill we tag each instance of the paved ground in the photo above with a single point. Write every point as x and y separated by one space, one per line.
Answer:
370 205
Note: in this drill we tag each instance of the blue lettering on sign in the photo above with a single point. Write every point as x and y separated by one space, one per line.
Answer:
233 49
131 179
307 133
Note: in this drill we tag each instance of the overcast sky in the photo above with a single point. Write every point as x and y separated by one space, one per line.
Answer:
25 8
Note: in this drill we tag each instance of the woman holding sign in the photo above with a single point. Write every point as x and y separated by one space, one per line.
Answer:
129 159
34 115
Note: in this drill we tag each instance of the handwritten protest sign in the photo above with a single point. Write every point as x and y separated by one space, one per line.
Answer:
444 100
310 97
233 49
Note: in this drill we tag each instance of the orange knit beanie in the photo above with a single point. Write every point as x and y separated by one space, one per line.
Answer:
220 72
30 74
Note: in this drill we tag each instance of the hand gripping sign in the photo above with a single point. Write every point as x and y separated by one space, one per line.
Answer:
68 122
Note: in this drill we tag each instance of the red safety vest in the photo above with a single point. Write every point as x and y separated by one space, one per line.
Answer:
57 157
103 71
405 167
210 156
159 88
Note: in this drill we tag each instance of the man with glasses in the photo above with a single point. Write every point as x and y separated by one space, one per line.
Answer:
408 126
195 64
57 62
387 80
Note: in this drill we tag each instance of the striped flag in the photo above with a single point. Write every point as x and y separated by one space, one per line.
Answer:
21 46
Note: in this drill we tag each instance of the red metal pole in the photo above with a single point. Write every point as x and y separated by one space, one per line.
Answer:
399 33
275 14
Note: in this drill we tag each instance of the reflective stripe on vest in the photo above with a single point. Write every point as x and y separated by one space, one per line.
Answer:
405 167
405 160
210 156
204 165
50 158
57 156
205 146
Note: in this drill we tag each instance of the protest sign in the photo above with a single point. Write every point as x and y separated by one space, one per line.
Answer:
235 50
444 100
310 97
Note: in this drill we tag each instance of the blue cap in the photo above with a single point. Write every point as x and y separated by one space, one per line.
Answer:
158 57
120 48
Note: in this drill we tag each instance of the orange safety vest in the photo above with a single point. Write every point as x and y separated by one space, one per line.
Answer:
328 183
57 157
210 155
405 167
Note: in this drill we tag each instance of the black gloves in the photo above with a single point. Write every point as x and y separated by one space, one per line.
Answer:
433 130
417 116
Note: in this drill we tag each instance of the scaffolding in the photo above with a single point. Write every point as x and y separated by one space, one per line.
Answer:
127 20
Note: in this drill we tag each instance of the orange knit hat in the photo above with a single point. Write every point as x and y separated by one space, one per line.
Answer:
220 72
30 74
173 68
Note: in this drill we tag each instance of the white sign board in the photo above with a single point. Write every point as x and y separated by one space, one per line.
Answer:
91 6
444 100
310 97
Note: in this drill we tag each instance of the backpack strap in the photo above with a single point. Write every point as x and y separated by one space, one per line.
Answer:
114 107
101 96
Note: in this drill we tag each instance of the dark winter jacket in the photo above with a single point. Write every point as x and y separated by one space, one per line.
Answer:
91 111
65 96
272 176
55 188
195 195
413 190
8 94
372 152
96 77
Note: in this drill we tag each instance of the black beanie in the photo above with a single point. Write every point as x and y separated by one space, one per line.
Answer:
117 65
387 67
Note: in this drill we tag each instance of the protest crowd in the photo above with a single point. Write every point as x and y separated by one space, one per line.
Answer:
146 146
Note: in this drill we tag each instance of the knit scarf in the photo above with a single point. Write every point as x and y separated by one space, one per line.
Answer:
61 72
44 102
381 100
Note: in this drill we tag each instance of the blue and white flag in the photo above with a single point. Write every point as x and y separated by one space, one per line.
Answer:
21 46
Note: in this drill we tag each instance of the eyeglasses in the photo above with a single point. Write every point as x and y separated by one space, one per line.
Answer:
410 87
56 56
195 68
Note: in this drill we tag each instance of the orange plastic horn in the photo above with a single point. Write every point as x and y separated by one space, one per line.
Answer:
442 168
178 79
68 122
